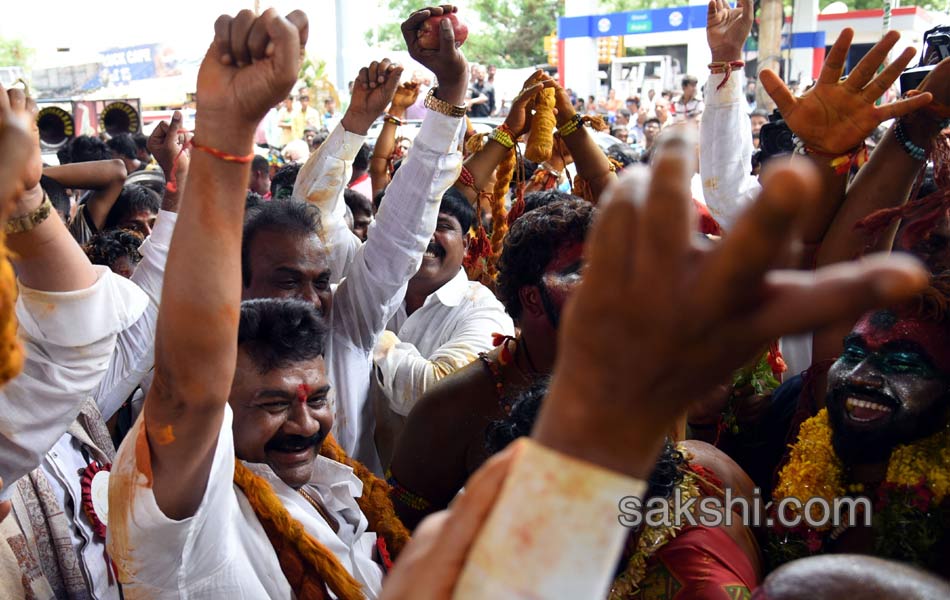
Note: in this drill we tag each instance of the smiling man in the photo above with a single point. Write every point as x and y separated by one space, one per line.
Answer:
884 435
443 325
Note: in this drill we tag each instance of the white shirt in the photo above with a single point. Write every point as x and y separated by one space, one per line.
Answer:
222 550
725 150
378 271
68 338
725 165
454 324
692 109
132 360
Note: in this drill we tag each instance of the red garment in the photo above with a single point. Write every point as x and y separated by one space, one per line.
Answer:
701 563
707 224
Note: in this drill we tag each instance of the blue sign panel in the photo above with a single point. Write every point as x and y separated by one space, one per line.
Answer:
123 65
657 20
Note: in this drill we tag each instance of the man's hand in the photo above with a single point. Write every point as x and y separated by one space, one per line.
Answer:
406 95
373 90
250 67
659 320
835 116
431 563
16 133
922 125
519 117
727 28
448 63
166 143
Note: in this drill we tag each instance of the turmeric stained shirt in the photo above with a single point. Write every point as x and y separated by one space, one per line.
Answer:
222 551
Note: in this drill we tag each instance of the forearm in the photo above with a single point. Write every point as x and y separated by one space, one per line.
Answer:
190 354
47 257
591 163
379 162
106 177
482 166
725 157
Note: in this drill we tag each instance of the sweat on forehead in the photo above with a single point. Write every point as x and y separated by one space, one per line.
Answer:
879 328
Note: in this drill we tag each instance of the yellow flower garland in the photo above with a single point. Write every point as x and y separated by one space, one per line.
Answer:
814 470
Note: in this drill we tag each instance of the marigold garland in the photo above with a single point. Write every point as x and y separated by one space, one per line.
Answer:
909 517
11 351
309 566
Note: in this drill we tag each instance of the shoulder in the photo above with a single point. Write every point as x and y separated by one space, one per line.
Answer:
720 464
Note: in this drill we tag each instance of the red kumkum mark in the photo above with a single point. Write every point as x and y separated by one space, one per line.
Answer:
303 392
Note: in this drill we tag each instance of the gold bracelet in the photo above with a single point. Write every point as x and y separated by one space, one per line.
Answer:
443 107
26 222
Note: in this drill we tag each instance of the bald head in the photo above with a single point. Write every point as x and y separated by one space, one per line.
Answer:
850 576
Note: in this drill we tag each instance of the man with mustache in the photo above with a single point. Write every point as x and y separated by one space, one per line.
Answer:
883 435
218 489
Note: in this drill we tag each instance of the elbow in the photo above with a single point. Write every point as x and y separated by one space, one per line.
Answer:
118 171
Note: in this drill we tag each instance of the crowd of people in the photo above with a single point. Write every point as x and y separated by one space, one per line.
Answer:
481 365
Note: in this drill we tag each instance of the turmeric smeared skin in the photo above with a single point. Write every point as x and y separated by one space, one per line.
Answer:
541 137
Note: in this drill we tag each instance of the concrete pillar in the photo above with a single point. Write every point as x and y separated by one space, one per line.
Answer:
698 55
803 59
771 19
579 61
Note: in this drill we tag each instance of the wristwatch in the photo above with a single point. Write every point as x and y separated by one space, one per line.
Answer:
30 220
443 107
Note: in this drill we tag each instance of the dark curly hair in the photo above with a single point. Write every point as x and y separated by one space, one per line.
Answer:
532 243
277 332
544 197
124 145
83 148
285 177
108 247
525 405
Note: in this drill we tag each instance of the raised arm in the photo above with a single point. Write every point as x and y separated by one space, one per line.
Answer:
591 162
834 117
104 177
134 357
250 66
725 156
324 178
405 96
69 312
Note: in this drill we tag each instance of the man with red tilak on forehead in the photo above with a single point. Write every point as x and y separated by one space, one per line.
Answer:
884 434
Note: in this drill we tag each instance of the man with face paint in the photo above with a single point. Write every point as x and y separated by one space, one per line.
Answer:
884 430
444 438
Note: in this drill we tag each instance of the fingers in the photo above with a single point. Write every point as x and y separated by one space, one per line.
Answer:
393 73
17 99
299 20
748 11
527 95
834 63
175 125
257 38
362 79
876 88
221 44
285 38
761 233
903 107
776 89
237 39
711 12
807 301
411 25
610 246
4 100
869 64
669 215
372 74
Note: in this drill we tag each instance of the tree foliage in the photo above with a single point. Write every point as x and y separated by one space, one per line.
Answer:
13 53
609 6
511 34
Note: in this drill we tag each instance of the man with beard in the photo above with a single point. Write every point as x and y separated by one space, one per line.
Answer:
444 438
883 435
278 522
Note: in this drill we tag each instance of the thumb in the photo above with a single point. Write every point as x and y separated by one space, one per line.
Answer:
393 82
446 38
175 125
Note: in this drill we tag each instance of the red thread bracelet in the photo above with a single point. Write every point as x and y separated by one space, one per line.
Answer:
727 68
172 185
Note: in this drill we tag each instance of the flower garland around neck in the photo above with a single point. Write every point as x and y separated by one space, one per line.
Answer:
909 517
649 539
